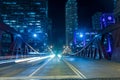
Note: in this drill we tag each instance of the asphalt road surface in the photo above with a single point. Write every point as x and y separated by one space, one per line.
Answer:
60 68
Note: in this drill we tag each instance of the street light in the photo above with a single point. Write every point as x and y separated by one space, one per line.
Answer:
35 35
81 35
51 46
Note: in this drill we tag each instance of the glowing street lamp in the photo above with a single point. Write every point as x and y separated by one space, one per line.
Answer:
51 46
35 35
81 35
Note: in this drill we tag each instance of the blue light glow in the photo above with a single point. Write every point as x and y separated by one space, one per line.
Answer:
18 35
109 18
35 35
103 20
81 35
109 46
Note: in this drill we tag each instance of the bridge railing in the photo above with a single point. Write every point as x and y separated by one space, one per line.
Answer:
92 50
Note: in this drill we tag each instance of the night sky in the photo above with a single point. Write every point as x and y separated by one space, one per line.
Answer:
86 8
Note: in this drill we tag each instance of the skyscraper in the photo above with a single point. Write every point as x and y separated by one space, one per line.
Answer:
27 17
71 20
117 11
96 21
115 2
116 33
21 14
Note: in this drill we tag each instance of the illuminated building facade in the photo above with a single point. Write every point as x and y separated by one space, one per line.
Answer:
26 17
117 10
5 43
71 20
96 21
84 38
102 20
107 19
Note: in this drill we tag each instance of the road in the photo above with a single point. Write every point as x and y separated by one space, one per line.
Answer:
53 68
60 68
96 68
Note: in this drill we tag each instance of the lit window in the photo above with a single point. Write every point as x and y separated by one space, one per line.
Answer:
13 21
39 26
38 3
9 2
21 31
25 26
5 21
31 13
8 23
37 23
30 24
109 18
4 15
17 26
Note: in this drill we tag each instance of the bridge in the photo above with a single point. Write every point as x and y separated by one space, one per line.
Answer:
91 62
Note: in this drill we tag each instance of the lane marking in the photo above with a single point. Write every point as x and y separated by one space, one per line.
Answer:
40 67
75 70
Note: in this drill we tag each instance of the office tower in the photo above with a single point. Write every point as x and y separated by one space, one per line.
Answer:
71 20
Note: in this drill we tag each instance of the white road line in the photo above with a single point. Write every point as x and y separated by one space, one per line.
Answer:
78 72
40 67
75 70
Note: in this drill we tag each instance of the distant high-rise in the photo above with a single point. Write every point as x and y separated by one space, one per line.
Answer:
117 11
107 19
71 20
102 20
116 34
115 2
96 23
24 15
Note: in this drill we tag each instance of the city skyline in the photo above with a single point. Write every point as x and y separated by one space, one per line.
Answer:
59 39
86 9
